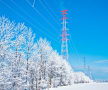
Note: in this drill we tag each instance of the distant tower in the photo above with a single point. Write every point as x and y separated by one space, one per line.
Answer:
84 64
89 73
64 45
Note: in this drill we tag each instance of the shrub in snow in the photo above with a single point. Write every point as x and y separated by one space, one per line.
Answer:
80 77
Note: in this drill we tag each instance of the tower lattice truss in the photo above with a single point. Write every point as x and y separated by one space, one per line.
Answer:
64 45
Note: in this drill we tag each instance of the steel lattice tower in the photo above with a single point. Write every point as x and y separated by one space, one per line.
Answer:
64 45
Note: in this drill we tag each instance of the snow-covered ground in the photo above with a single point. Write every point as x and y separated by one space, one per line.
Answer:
89 86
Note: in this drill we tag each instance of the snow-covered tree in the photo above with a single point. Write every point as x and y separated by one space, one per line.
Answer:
80 77
6 35
17 56
5 74
11 50
44 51
61 72
29 65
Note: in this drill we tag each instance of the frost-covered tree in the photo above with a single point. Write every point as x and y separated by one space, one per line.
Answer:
60 72
11 50
29 50
5 74
80 77
29 65
6 36
17 56
44 51
53 69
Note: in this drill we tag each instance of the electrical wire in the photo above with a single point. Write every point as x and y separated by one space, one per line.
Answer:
41 15
48 34
25 19
49 12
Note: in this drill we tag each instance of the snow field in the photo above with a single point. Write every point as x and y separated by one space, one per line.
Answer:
86 86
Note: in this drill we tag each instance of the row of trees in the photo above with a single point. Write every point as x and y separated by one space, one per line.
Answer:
29 64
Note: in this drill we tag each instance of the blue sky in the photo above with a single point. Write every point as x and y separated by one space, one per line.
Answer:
88 27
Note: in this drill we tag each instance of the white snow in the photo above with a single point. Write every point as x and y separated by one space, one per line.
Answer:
86 86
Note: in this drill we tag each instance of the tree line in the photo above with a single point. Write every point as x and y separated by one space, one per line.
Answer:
27 64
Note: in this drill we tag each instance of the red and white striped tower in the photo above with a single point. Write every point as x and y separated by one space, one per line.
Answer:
64 45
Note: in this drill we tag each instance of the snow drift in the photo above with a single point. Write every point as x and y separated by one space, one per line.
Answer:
87 86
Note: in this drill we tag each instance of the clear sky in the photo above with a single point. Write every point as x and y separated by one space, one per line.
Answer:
88 28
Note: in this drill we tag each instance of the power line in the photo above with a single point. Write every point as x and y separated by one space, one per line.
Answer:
33 25
74 47
41 15
33 3
24 18
49 12
45 2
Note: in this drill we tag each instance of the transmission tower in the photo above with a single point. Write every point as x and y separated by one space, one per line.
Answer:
64 45
84 65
